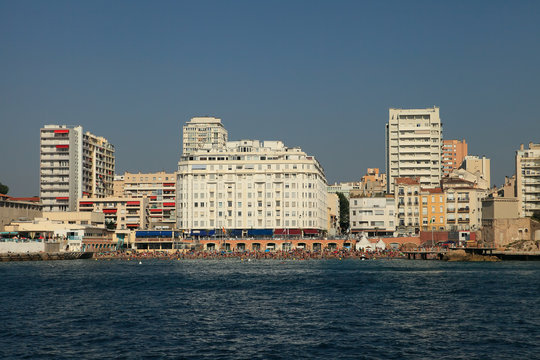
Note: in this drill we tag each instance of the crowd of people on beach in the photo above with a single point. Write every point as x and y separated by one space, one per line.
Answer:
296 254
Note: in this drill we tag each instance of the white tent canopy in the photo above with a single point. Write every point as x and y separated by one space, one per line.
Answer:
380 245
364 243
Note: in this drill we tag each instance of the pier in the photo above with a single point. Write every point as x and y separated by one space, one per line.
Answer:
425 254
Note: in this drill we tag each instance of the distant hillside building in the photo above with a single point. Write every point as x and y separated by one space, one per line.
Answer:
73 164
414 146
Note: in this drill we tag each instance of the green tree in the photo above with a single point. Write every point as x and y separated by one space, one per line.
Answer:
536 215
4 189
343 213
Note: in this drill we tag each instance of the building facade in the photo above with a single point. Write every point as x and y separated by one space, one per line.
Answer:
372 215
251 187
453 153
407 198
478 165
414 146
433 214
120 213
528 179
73 164
160 190
463 204
18 208
202 131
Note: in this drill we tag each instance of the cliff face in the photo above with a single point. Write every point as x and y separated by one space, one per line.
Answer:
523 245
461 255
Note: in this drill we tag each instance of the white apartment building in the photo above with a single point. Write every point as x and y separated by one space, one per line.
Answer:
250 187
73 164
414 146
528 179
160 190
373 215
201 131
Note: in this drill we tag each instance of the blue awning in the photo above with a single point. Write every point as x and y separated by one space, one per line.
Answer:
260 232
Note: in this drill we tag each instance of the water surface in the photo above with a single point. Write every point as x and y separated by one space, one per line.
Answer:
270 309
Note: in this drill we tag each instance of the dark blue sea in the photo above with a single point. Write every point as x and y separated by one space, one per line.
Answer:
269 309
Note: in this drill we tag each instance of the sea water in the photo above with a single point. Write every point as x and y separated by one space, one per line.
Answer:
269 309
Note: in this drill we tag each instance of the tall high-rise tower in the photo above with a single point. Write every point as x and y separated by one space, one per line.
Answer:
73 164
414 146
201 131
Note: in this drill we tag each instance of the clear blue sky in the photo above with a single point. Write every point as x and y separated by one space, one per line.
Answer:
316 74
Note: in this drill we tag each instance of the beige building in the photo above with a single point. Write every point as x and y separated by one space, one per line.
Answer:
18 208
202 131
407 198
528 179
476 178
477 165
414 146
499 208
463 204
95 219
73 164
251 187
160 190
333 214
121 213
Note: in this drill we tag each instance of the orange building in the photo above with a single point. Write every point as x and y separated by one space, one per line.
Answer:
433 214
453 153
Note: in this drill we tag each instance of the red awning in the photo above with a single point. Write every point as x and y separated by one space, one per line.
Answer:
109 211
155 210
132 225
86 203
133 203
153 197
168 184
62 146
63 131
169 204
287 232
62 198
311 231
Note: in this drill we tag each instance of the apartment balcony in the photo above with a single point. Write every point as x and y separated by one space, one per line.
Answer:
463 221
463 200
463 210
451 210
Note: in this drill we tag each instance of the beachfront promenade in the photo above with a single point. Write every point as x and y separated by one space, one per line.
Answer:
297 254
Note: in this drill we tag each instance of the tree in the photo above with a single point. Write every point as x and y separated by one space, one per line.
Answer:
536 215
343 213
4 189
